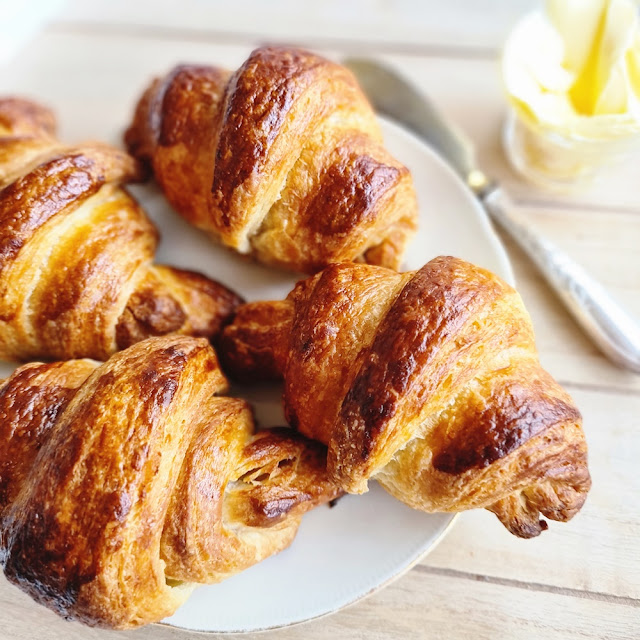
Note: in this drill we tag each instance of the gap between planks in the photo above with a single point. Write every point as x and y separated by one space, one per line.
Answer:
572 207
154 32
529 586
599 388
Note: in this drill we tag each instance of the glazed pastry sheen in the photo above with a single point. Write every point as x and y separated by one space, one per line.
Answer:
427 381
124 485
282 159
76 278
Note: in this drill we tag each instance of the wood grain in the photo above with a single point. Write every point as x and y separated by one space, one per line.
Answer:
415 25
422 605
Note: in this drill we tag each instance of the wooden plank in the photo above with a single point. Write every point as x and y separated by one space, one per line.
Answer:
422 604
608 241
415 24
564 349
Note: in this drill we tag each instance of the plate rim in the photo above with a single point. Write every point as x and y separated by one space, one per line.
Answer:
420 555
483 217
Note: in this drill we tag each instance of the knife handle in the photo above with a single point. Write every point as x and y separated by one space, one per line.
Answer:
611 328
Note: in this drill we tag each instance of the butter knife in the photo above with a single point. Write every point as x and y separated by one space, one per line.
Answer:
610 327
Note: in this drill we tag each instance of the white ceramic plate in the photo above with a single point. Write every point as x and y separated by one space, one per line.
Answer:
344 553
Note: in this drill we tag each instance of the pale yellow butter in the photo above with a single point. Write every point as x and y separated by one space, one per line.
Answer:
574 67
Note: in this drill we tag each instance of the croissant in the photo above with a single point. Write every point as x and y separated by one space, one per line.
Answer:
76 278
124 485
427 381
282 159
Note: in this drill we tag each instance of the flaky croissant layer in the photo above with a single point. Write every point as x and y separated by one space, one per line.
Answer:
126 484
282 159
429 382
76 251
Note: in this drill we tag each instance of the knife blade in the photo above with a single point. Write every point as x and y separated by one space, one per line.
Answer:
610 327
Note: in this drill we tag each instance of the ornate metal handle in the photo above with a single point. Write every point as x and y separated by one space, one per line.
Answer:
612 329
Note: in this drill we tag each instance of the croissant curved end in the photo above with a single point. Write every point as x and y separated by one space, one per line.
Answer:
61 207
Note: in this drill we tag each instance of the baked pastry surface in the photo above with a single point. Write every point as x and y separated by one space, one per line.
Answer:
428 381
282 159
126 484
76 251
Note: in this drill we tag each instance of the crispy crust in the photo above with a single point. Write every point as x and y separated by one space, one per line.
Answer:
429 382
282 159
76 277
126 484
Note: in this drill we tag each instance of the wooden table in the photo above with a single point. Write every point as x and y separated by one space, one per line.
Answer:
579 580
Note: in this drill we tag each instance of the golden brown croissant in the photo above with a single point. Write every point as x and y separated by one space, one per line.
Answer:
76 277
123 485
428 381
282 159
